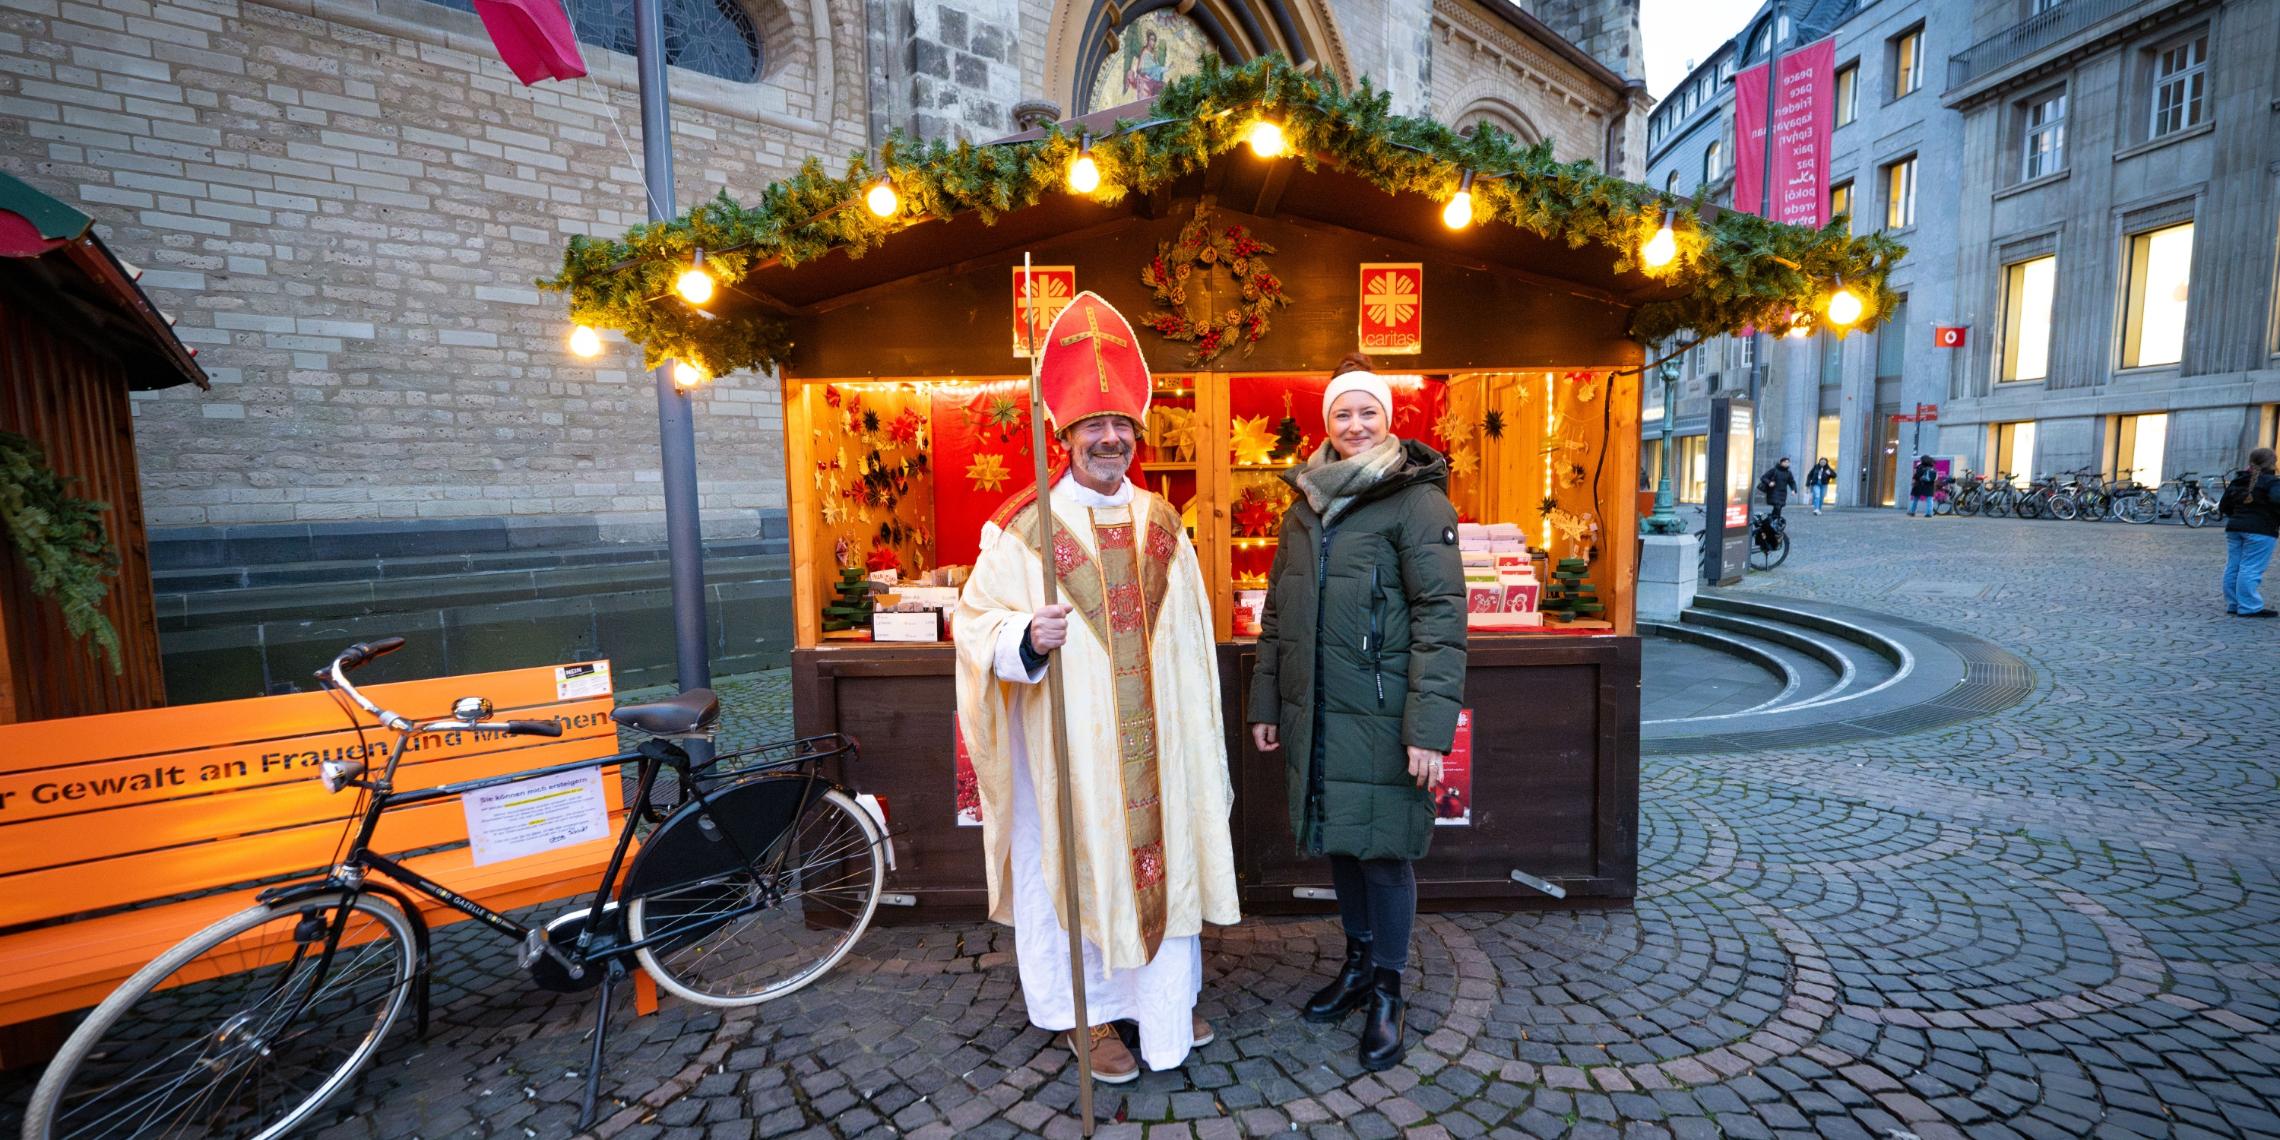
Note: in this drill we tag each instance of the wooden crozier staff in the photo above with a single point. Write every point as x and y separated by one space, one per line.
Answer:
1051 581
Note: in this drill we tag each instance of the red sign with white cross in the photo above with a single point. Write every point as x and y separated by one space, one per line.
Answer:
1393 308
1055 285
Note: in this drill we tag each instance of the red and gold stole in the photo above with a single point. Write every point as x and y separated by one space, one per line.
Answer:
1120 593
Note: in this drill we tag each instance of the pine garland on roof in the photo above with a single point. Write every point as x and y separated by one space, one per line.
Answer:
1738 270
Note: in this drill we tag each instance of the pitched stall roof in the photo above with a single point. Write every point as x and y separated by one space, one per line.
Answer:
52 259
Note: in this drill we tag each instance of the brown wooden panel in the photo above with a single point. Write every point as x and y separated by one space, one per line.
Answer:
898 702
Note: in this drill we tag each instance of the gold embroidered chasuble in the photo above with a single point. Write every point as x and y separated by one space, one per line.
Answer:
1150 782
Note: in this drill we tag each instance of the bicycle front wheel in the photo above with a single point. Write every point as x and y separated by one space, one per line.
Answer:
1762 558
2139 509
241 1030
756 896
2064 508
2196 513
2028 507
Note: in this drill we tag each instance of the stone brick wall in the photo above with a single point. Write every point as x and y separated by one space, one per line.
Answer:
344 204
1484 70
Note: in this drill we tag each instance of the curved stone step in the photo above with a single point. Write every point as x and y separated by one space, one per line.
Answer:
1891 649
1780 667
1791 640
1936 677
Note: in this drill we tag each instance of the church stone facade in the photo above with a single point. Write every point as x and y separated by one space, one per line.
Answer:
344 203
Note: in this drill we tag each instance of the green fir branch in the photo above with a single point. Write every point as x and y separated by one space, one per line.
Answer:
60 540
1735 271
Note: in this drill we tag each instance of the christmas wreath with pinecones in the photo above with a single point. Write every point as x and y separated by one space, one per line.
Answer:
1203 246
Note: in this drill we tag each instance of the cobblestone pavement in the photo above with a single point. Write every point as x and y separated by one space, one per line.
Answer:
2058 921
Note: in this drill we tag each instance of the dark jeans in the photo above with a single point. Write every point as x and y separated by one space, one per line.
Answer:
1377 902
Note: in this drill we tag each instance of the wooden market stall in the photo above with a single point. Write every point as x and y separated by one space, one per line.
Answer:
1516 354
77 335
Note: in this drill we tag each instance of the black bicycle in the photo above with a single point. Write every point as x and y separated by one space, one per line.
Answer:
1769 541
756 875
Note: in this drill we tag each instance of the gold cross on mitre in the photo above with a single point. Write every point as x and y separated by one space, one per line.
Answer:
1092 333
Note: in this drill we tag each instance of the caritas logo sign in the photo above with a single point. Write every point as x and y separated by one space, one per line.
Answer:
1947 336
1393 308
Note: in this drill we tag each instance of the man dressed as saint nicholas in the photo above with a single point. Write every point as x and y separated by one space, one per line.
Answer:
1147 759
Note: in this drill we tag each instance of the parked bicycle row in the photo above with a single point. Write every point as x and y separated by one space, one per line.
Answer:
2084 496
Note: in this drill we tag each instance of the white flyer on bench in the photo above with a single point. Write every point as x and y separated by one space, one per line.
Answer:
587 679
531 816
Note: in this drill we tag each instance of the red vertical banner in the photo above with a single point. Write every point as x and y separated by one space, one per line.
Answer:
1804 109
1749 140
1056 286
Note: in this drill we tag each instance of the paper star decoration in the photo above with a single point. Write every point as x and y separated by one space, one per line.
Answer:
1463 462
1452 427
1252 441
988 472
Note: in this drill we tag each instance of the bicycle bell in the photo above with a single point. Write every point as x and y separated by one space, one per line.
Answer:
471 710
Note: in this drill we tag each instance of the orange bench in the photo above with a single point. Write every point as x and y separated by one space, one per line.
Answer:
123 833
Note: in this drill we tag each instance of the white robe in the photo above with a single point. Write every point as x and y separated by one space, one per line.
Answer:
1003 703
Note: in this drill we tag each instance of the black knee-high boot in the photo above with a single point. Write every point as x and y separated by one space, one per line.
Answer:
1348 990
1383 1025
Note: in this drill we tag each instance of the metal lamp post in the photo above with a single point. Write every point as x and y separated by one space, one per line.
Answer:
1665 518
676 421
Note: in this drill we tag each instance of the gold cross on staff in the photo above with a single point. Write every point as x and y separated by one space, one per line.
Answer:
1092 333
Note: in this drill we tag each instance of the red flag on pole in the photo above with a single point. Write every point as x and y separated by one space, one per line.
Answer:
534 37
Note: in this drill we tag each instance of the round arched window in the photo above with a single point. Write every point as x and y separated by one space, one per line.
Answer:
1151 51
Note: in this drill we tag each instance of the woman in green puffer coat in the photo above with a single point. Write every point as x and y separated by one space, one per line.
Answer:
1361 671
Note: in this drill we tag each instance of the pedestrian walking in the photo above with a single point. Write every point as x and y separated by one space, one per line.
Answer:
1818 481
1361 671
1923 483
1147 764
2251 506
1777 484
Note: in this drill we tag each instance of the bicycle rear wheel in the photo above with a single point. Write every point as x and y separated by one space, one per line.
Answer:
2028 507
241 1030
2140 509
1764 559
726 923
2196 513
2064 508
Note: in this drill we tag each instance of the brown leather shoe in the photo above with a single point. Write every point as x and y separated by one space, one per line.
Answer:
1112 1063
1203 1033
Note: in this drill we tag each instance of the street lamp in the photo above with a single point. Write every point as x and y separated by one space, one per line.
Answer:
1665 518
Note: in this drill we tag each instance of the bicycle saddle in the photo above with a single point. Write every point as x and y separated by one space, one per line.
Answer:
694 711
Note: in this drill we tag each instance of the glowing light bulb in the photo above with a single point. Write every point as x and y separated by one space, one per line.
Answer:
694 285
584 341
1662 248
689 375
1084 174
1266 138
1800 325
1845 307
882 199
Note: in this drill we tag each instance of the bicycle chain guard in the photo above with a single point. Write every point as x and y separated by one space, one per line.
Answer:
549 972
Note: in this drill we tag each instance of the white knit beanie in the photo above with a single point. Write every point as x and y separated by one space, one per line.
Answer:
1369 382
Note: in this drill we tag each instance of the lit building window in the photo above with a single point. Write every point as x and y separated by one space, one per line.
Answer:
2044 137
1713 162
2029 287
1900 194
2141 447
1841 204
2180 84
1848 93
1907 62
2161 275
714 37
2011 450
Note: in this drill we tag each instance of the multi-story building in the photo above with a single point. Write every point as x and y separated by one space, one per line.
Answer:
2118 234
2062 182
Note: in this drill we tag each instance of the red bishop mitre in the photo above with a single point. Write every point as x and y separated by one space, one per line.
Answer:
1091 365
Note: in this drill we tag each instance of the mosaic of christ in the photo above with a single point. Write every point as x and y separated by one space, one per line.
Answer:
1151 51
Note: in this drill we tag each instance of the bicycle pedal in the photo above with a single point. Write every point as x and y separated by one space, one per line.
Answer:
532 949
